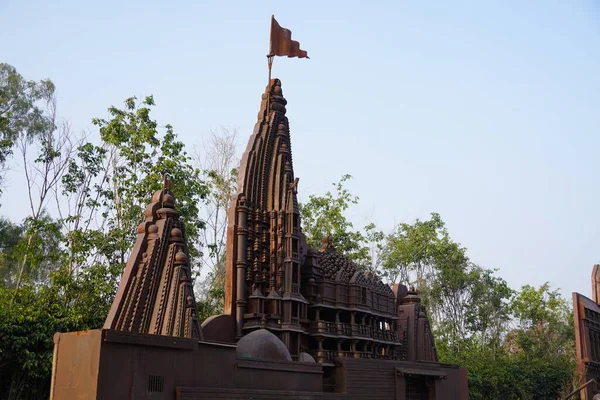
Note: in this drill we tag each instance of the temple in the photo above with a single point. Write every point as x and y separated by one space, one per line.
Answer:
298 322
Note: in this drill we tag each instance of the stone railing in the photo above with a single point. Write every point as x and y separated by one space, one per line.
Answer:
356 330
329 356
317 327
389 336
361 331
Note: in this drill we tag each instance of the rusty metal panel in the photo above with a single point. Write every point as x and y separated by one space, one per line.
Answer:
76 365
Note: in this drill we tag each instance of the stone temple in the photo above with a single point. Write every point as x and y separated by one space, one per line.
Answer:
299 323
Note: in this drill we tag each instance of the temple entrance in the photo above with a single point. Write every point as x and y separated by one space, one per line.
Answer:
419 388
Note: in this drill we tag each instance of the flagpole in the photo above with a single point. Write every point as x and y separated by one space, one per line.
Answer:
270 64
270 58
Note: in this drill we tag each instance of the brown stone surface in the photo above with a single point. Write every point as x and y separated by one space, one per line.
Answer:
127 365
155 294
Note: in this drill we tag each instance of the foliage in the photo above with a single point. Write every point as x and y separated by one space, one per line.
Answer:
61 274
218 163
464 300
30 316
514 344
20 114
10 235
137 159
325 215
536 359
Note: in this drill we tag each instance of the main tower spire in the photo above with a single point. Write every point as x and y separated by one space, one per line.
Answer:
264 243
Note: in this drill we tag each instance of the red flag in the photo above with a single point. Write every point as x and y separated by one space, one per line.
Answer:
282 43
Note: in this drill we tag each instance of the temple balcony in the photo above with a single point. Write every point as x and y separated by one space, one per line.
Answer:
323 327
361 331
330 328
388 336
351 330
329 356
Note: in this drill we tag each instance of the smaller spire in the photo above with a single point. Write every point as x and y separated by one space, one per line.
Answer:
412 296
167 183
327 243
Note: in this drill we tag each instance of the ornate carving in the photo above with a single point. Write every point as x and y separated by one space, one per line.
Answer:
156 294
270 255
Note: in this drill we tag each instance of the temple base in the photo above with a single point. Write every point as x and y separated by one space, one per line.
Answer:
106 364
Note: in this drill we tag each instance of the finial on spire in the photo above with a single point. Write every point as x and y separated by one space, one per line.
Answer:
327 243
275 99
166 182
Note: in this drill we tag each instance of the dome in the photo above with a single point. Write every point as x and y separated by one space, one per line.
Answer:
306 358
262 344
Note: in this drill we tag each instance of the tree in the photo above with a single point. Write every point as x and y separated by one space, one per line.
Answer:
10 235
326 215
466 303
45 158
411 252
140 159
218 163
536 359
101 193
543 322
21 116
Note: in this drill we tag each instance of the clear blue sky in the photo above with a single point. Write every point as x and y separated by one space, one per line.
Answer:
485 113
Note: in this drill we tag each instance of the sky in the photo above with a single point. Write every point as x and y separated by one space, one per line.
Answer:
484 112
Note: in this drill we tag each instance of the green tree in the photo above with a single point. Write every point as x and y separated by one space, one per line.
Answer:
45 158
536 359
219 165
73 263
326 215
10 235
21 114
467 303
411 252
544 324
139 159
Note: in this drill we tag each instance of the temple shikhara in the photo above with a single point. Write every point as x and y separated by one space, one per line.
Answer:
298 323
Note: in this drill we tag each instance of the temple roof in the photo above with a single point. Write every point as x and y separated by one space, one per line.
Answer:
341 268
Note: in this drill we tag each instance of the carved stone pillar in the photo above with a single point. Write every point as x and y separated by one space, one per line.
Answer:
242 234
